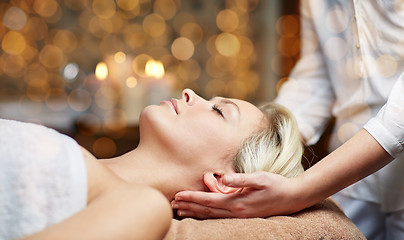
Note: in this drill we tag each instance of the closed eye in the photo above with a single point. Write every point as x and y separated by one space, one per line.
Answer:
217 109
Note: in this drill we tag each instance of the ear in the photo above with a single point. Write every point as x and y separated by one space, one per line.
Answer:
215 184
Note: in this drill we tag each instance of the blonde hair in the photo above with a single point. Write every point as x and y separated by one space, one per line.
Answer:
276 148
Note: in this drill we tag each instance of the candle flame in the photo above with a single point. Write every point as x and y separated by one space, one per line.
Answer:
154 69
101 71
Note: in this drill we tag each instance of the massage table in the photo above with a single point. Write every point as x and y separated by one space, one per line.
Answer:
324 220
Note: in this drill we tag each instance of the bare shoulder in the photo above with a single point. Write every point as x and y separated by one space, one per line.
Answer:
147 211
142 211
99 179
132 212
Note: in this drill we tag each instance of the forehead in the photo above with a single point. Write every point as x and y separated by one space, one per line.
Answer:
248 111
249 114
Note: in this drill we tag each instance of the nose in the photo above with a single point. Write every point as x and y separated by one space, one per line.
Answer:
189 96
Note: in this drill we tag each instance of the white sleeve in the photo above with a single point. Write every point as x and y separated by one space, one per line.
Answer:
308 93
388 125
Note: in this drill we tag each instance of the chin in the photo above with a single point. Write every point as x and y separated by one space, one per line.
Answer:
148 120
150 116
155 125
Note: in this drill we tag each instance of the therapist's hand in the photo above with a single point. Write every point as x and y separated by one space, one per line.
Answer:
264 194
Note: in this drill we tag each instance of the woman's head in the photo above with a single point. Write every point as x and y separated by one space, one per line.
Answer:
211 137
198 133
276 148
222 135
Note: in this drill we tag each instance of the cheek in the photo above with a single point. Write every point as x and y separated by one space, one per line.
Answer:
209 129
211 136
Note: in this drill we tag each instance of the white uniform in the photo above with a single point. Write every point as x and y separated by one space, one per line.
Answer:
352 55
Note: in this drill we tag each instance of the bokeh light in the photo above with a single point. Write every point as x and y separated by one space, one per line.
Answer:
139 64
288 25
134 36
65 40
13 65
192 31
14 18
182 48
56 99
79 100
154 69
101 71
71 71
165 8
341 24
45 8
104 8
227 20
120 57
154 25
94 61
104 147
127 5
51 56
189 70
227 44
387 66
131 82
13 43
36 28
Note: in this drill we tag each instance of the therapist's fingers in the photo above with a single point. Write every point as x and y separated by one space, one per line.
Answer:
208 199
257 180
189 209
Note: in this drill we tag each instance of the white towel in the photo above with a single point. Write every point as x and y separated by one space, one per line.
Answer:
43 178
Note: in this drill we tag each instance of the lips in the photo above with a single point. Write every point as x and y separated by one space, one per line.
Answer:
174 104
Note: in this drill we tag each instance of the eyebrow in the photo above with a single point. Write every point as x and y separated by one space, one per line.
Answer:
227 101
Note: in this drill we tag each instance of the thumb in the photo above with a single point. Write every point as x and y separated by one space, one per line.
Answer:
253 180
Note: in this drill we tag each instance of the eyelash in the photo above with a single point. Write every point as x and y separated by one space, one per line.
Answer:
218 110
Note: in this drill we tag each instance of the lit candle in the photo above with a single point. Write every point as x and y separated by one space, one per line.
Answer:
158 87
131 89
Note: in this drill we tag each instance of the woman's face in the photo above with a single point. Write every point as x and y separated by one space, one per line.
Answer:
204 133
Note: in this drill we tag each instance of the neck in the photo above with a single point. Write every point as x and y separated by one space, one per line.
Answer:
155 169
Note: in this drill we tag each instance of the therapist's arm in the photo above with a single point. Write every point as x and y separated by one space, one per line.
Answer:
359 157
268 194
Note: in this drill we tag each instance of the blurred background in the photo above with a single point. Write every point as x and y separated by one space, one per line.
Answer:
88 67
